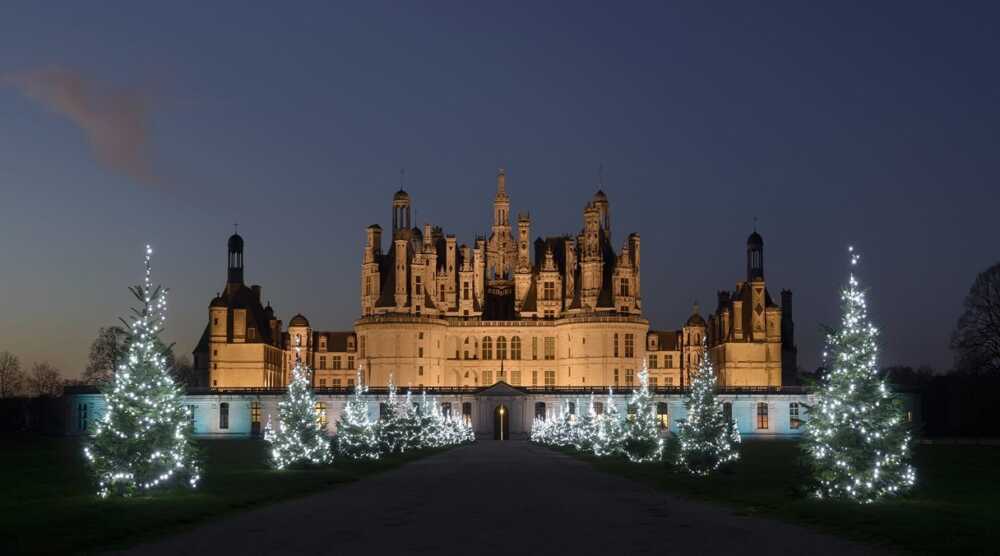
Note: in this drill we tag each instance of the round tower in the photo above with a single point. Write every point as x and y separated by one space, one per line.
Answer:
235 259
400 211
755 257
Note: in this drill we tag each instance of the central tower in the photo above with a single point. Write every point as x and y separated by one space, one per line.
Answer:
501 251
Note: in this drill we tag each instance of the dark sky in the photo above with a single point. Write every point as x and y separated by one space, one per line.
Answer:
872 125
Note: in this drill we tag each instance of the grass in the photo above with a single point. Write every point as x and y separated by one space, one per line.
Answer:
48 505
953 510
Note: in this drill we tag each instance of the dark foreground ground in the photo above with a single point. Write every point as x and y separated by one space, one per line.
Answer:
497 498
48 503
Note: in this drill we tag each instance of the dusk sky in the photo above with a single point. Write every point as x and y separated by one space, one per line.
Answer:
834 125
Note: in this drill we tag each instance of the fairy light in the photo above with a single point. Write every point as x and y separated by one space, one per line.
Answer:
642 442
299 437
706 438
356 434
856 438
142 441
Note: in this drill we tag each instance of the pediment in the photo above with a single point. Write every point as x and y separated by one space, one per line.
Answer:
501 389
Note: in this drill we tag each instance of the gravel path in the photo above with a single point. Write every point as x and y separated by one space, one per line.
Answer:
503 498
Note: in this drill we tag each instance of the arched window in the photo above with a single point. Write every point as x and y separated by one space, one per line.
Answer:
793 415
762 420
446 409
515 348
487 348
502 348
467 412
663 415
540 410
320 408
223 415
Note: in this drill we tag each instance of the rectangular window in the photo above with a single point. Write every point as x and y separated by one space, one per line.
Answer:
320 408
762 415
337 383
419 285
550 378
350 361
362 351
467 412
420 352
446 409
322 361
252 406
322 383
669 364
534 347
223 416
652 382
336 362
420 371
549 291
515 378
629 377
616 377
81 417
534 378
465 290
670 381
653 360
793 415
487 378
616 346
550 348
549 314
350 382
623 288
630 345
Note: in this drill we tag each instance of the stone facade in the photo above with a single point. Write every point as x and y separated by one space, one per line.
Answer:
555 312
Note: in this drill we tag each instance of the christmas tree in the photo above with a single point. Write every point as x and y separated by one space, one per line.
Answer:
610 430
586 428
392 427
299 438
356 437
856 435
707 438
642 442
143 441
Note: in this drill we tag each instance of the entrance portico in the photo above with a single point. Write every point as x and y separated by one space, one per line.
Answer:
502 413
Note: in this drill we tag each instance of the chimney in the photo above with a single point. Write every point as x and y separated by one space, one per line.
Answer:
257 291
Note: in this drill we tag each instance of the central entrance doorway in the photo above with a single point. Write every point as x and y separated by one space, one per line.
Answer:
501 423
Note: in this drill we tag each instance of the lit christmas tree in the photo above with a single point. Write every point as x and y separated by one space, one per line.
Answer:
356 437
642 442
299 438
391 426
856 435
610 430
143 440
586 428
707 439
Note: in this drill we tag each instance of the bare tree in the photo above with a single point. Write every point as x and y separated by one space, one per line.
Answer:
184 372
12 379
106 353
976 340
45 380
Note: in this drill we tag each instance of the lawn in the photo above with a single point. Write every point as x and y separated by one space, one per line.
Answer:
48 505
955 508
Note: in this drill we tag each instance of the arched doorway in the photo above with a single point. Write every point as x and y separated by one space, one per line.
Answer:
501 423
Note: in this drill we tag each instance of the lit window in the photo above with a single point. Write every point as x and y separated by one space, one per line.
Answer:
502 348
320 408
534 378
623 288
549 291
669 364
662 415
322 383
336 362
336 383
630 345
350 361
515 378
487 348
762 421
653 361
629 377
550 378
322 361
467 412
515 348
487 378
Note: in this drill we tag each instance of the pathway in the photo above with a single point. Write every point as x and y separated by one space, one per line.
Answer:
502 498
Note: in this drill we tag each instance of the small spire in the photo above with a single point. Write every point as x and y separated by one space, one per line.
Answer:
755 224
600 176
236 227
